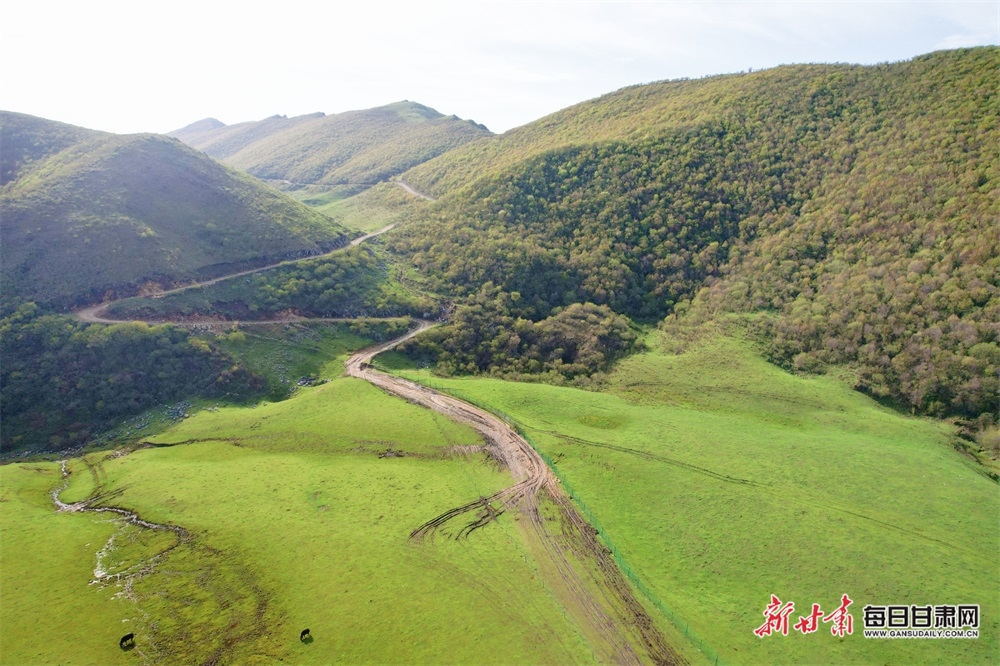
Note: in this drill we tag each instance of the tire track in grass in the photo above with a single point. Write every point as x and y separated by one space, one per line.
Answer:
655 457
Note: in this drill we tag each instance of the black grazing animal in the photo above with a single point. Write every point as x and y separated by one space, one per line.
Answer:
304 635
127 641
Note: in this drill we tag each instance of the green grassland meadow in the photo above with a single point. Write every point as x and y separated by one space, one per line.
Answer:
719 479
297 518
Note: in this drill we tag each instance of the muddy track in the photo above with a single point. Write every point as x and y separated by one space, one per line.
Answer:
239 599
95 503
94 314
581 569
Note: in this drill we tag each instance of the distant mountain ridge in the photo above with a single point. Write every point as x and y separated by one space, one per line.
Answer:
196 131
348 150
87 213
221 141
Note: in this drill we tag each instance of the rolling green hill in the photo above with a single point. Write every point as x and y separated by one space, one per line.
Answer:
26 140
221 141
89 213
849 211
346 151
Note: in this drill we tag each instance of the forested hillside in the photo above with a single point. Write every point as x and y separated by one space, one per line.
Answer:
850 212
346 151
63 381
88 213
844 215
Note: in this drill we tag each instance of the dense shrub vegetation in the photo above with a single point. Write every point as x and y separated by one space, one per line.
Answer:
855 208
357 282
62 381
636 227
485 337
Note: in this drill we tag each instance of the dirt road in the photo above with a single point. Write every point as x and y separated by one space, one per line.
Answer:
414 192
579 567
94 314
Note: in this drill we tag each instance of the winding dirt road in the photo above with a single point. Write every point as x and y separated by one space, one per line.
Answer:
580 569
524 463
94 314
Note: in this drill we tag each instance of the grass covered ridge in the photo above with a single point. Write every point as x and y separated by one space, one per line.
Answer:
347 151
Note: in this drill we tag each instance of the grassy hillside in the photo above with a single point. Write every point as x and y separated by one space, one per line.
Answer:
854 206
91 213
376 207
345 152
308 473
27 140
719 479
